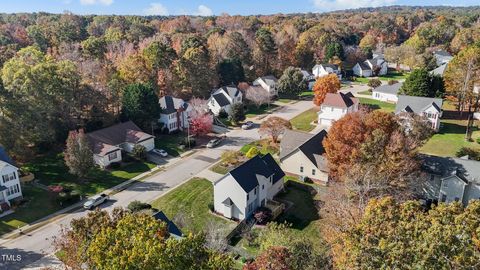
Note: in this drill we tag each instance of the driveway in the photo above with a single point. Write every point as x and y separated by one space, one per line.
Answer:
38 243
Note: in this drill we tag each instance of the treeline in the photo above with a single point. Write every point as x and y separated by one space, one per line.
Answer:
64 71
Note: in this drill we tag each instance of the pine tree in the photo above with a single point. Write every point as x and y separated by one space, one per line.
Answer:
78 154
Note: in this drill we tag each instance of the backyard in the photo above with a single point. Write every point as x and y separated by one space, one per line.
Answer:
450 139
191 200
377 105
303 121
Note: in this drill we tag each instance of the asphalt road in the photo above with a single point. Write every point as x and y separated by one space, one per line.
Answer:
27 249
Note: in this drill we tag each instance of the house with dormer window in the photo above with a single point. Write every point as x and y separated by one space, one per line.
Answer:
10 188
430 108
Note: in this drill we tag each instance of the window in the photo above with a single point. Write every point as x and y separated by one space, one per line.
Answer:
112 156
248 197
9 177
313 171
301 168
263 187
255 191
13 190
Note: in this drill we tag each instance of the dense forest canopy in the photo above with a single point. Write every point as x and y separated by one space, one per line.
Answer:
84 63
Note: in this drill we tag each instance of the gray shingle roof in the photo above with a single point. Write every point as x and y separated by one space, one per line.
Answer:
389 89
171 227
221 99
245 174
270 80
169 104
467 170
311 146
417 104
364 66
439 70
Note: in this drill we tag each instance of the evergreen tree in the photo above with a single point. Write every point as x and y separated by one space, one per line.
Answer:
78 154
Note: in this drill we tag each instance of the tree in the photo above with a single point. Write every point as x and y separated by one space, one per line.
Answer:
230 71
140 104
257 95
422 84
78 154
265 51
139 151
274 258
274 127
332 50
292 82
368 43
253 151
238 113
201 124
445 237
103 241
159 55
94 47
195 72
374 83
324 85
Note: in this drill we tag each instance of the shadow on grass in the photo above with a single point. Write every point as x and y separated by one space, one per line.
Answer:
452 128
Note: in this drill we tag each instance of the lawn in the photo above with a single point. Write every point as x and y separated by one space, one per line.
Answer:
367 92
303 120
393 76
191 200
378 105
170 143
264 146
220 168
450 139
253 110
307 94
362 80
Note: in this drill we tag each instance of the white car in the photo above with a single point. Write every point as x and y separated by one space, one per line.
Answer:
95 201
214 142
247 125
160 152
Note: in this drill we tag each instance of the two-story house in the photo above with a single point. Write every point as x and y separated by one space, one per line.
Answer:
451 179
10 188
325 69
335 106
301 155
371 67
269 83
240 192
430 108
224 98
108 143
174 113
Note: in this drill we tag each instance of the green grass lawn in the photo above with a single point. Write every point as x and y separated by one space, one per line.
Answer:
450 139
367 92
253 110
362 80
378 105
393 76
303 120
285 100
191 199
264 146
220 168
307 94
171 143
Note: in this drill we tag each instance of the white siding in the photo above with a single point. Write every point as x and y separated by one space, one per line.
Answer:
148 144
328 114
103 161
12 183
472 192
292 164
384 97
433 116
225 188
452 189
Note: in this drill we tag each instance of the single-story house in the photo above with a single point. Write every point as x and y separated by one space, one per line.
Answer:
451 179
442 57
325 69
10 188
269 83
335 106
241 191
172 228
173 113
371 67
301 155
430 108
224 98
108 143
387 92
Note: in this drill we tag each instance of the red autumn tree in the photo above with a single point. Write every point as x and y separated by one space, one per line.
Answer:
274 258
324 85
201 121
274 127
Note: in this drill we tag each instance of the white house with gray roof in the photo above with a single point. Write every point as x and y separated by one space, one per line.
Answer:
241 191
224 98
301 155
451 179
387 93
174 113
442 57
371 67
269 83
430 108
10 188
321 70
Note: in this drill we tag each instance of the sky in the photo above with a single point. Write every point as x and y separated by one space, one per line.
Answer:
206 7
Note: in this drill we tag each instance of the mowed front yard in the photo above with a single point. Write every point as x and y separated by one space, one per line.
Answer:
450 139
303 121
191 200
377 105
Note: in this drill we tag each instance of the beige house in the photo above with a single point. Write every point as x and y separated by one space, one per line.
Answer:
301 155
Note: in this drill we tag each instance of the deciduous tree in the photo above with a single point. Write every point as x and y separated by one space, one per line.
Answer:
324 85
140 104
274 127
257 95
78 154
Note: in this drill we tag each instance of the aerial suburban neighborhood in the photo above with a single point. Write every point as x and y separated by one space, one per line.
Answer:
204 135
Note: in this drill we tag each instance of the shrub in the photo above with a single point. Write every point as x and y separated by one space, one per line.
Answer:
374 83
222 114
253 151
238 113
262 215
139 151
136 206
230 157
392 82
471 153
211 206
114 165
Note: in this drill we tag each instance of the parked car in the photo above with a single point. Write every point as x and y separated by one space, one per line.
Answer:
247 125
160 152
214 142
95 201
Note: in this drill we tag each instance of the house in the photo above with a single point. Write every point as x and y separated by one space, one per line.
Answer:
224 98
309 78
371 67
387 92
451 179
301 155
174 113
172 228
439 70
251 185
430 108
442 57
10 188
335 106
269 83
325 69
108 143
